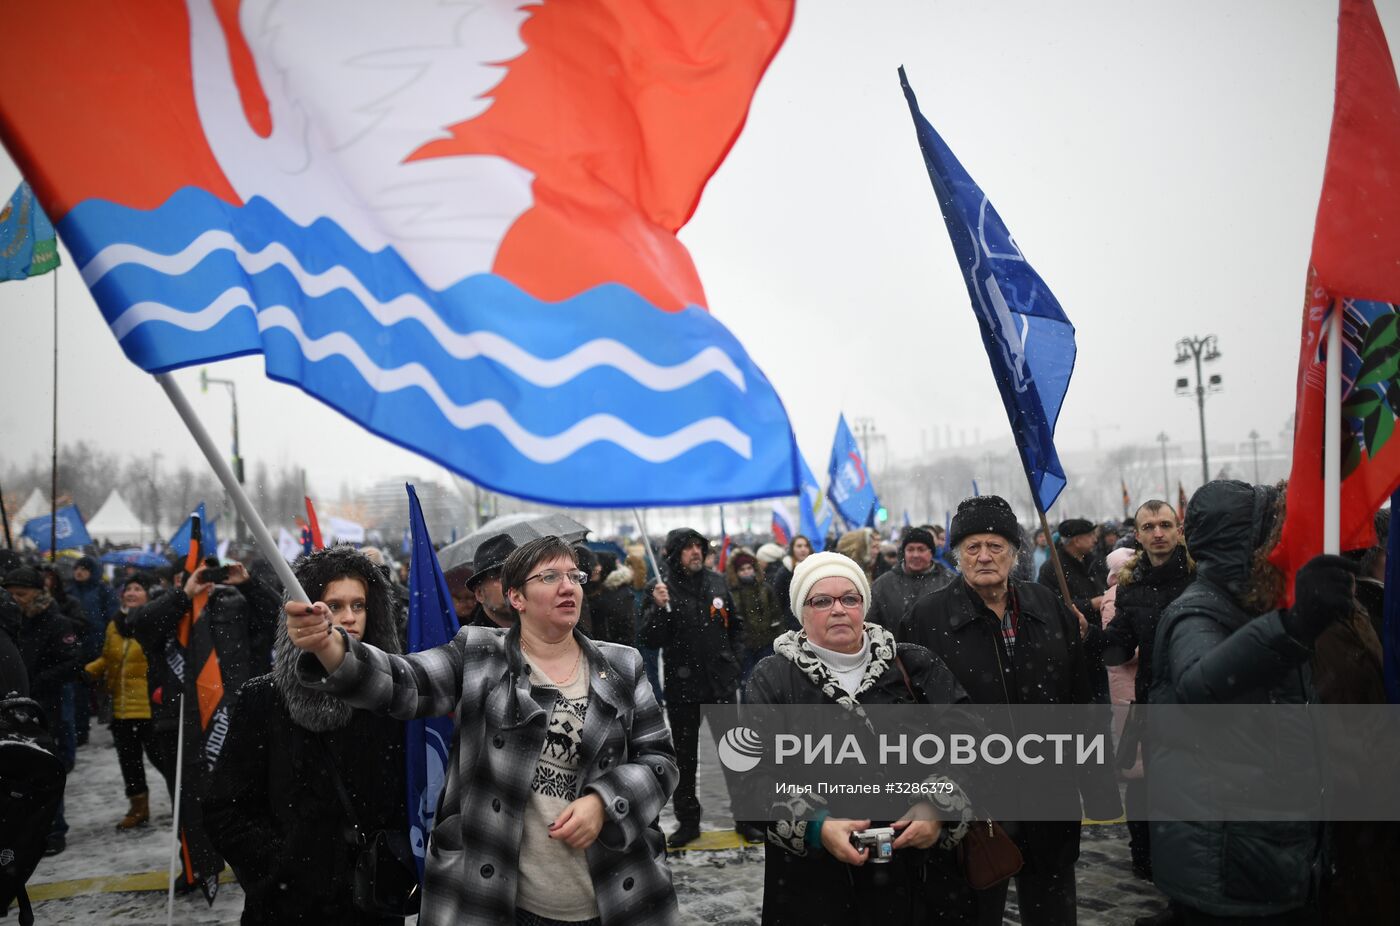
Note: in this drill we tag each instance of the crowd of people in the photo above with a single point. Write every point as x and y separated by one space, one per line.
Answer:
575 686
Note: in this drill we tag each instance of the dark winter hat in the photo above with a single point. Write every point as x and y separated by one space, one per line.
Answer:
984 514
489 559
918 535
586 558
1074 527
743 558
23 577
86 562
143 579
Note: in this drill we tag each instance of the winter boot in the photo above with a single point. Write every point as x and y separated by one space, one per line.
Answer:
139 813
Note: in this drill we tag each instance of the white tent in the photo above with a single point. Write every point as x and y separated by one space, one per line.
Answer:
115 521
34 507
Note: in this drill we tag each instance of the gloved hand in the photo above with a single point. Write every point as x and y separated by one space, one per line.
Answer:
1324 588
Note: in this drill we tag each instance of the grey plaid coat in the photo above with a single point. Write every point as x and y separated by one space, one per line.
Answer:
627 759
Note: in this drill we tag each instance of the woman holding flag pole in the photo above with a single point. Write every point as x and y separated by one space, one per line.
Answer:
561 762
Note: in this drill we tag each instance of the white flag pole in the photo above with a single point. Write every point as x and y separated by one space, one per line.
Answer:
266 545
651 554
175 822
1332 438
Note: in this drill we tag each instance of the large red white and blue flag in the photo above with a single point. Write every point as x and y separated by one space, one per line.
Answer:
454 223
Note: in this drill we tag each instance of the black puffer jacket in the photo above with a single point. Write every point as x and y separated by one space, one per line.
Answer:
1209 650
802 884
895 592
1144 591
272 809
702 634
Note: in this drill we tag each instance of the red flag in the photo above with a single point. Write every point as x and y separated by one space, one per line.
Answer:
1355 270
313 525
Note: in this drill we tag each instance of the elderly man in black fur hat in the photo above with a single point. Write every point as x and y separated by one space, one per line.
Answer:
275 810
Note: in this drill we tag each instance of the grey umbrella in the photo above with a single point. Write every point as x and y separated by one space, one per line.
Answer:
520 527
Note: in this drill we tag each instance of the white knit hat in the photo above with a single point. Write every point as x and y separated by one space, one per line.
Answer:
820 566
769 553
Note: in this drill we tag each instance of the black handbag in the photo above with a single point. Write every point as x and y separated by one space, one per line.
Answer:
385 880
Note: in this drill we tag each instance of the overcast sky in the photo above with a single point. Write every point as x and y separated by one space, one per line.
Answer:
1159 165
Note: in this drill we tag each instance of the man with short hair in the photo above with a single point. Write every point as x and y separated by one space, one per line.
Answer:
917 574
492 609
1086 591
691 617
1147 583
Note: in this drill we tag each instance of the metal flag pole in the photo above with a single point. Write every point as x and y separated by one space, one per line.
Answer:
266 545
5 519
651 554
1331 437
53 471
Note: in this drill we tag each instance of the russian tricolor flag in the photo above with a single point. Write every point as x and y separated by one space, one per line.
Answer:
782 524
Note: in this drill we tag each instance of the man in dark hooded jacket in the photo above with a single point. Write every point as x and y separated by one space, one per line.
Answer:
1225 640
701 636
274 809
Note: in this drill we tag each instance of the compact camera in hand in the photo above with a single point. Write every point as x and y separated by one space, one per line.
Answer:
216 574
879 840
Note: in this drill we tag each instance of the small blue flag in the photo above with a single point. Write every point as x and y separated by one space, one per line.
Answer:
1028 337
70 530
850 489
209 541
907 522
432 621
814 519
27 243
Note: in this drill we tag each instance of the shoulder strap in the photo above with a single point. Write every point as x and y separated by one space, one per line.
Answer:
340 789
907 683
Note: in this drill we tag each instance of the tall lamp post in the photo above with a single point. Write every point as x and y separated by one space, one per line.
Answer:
205 380
1166 479
1200 349
1254 444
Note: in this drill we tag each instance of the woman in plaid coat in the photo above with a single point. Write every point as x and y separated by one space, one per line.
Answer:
561 765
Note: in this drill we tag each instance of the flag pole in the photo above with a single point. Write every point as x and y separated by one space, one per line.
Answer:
5 519
1331 440
53 469
651 554
1049 539
266 545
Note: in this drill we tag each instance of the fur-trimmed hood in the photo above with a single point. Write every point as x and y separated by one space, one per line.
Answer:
619 577
320 711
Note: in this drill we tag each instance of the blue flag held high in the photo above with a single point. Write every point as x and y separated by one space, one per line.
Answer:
69 532
815 517
850 489
180 542
1029 339
432 621
28 246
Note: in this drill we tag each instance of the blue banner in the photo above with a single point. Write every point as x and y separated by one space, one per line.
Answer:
27 243
70 532
1028 337
814 519
209 540
850 489
432 621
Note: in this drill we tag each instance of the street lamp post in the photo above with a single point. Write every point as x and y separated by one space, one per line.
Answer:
1254 445
1199 349
1166 479
204 382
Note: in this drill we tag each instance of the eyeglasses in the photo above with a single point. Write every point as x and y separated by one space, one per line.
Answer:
552 578
826 602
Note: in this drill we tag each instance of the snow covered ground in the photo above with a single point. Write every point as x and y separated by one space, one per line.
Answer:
99 878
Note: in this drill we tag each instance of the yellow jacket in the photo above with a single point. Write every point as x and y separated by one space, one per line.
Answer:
124 665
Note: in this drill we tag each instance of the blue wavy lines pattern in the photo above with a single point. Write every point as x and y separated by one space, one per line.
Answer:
601 400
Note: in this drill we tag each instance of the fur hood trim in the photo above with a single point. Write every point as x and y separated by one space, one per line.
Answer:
320 711
1134 569
619 577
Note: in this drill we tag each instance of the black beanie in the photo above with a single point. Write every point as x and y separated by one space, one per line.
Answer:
984 514
918 535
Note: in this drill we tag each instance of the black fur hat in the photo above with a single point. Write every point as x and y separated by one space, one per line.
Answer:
984 514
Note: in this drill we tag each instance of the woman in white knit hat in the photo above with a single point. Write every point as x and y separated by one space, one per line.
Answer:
837 658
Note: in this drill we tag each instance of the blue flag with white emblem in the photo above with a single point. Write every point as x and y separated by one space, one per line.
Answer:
28 246
1029 339
815 518
850 489
432 621
70 530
